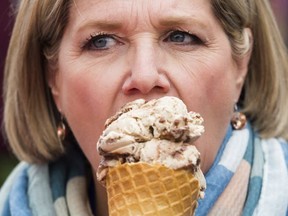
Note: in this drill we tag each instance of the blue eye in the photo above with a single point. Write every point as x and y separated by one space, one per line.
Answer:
101 42
183 38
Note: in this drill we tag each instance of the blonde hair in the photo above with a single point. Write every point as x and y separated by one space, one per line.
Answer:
29 112
29 117
264 96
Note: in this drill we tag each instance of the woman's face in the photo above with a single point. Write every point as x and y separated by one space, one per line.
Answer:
115 51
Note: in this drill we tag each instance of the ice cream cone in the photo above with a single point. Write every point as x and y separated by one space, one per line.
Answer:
144 189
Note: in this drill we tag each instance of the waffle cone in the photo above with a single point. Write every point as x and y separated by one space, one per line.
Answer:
142 189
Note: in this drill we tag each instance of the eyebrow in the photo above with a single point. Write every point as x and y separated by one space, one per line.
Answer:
181 20
102 24
169 21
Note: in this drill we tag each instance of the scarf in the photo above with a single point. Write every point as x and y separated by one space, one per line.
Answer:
248 177
56 189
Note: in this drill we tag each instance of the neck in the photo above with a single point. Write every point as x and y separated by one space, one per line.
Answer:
101 199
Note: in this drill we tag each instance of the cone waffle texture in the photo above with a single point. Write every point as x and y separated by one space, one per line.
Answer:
143 189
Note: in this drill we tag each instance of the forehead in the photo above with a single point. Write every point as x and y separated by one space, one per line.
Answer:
152 5
132 11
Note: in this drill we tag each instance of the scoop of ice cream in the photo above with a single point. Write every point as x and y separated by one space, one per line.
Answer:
139 121
158 131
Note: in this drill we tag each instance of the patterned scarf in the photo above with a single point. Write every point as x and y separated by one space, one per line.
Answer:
249 177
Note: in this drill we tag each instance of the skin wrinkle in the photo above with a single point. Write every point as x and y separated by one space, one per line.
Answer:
144 64
77 9
168 20
87 84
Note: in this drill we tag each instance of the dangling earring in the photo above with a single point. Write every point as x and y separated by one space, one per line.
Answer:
238 120
61 129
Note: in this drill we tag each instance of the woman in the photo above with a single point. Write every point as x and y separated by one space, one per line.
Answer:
72 64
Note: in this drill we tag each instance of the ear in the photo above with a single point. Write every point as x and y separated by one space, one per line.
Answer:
243 60
53 79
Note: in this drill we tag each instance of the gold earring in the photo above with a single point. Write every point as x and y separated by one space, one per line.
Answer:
61 130
238 120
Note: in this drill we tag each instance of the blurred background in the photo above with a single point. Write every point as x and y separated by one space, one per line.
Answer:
7 160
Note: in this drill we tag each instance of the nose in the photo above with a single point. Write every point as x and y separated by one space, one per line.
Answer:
145 74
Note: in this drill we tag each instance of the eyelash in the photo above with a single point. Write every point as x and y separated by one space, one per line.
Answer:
89 41
195 40
94 35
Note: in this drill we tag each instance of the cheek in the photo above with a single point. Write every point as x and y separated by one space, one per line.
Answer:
219 100
209 89
214 102
208 84
84 114
86 100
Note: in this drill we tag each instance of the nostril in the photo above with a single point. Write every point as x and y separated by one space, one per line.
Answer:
132 91
144 85
155 89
